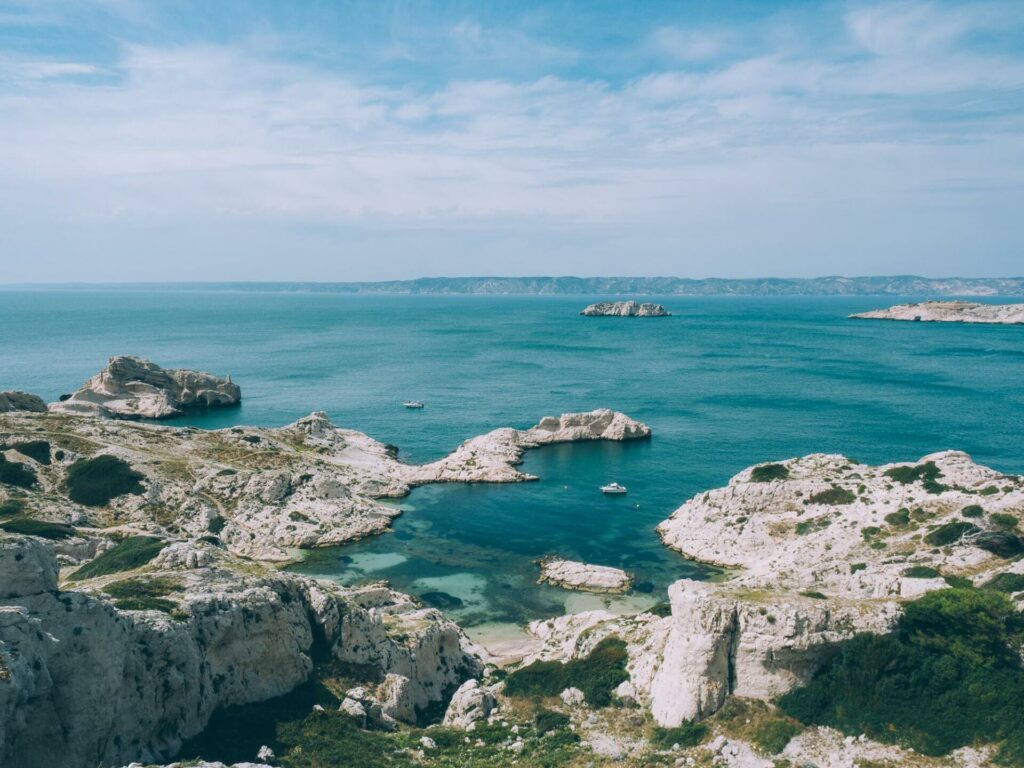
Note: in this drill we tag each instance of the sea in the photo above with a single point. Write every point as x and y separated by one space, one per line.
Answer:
725 382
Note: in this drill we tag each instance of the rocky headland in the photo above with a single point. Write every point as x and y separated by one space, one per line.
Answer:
133 388
625 309
585 577
949 312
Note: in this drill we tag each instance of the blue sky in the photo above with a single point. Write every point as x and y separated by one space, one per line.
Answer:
378 140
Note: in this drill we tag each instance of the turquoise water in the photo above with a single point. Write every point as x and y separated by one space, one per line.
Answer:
724 383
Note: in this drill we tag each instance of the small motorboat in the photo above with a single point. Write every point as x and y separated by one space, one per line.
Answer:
613 488
412 404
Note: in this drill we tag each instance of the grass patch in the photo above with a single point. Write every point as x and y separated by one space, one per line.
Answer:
42 528
13 473
94 482
131 553
596 675
949 676
949 533
768 472
155 587
688 734
834 496
927 473
921 572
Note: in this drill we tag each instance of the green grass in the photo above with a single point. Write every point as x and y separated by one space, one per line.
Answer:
949 533
152 587
596 675
94 482
921 572
13 473
927 473
39 450
949 676
768 472
131 553
42 528
688 734
834 496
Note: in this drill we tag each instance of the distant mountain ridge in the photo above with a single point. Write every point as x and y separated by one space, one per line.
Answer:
896 285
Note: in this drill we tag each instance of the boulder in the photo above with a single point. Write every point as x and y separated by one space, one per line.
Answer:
571 574
470 702
13 400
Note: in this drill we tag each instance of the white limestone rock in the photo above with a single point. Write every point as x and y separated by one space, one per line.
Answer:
625 309
13 400
470 703
571 574
949 312
133 388
573 697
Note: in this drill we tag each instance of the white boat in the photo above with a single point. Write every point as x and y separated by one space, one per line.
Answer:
412 404
613 488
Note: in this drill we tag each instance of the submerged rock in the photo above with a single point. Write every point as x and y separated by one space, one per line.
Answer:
13 400
133 388
949 312
625 309
571 574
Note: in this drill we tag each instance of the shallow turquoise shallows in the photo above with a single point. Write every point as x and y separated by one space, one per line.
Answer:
724 383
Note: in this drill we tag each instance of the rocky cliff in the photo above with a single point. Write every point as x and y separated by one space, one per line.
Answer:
133 388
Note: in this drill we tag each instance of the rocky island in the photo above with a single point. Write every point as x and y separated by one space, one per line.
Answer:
949 312
625 309
571 574
133 388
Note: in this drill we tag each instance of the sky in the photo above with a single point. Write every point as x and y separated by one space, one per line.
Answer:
315 140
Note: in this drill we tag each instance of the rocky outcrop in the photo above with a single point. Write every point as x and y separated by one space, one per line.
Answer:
493 457
13 400
625 309
265 492
133 388
949 312
584 576
470 703
85 683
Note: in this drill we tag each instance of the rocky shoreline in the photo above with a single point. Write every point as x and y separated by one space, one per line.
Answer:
949 312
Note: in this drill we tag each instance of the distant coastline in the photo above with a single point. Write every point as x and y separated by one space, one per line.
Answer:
898 285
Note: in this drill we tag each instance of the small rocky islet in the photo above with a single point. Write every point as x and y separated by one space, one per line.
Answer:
139 598
949 312
625 309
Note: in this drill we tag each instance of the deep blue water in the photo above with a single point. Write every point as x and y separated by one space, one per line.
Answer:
724 383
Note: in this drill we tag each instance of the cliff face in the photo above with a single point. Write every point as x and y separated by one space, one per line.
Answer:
133 388
84 683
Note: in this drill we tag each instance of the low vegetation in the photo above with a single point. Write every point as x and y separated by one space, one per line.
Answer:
42 528
130 553
597 675
758 722
832 497
768 472
37 450
927 473
949 676
921 572
94 482
949 533
688 734
16 474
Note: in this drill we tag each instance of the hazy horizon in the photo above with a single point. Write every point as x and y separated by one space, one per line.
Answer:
367 141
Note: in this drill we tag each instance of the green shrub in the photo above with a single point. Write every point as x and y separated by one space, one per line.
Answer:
768 472
854 567
1006 582
545 720
899 518
960 582
131 553
1003 520
869 532
94 482
989 490
972 510
815 595
814 524
834 496
39 450
42 528
596 675
662 608
11 507
216 525
772 736
949 676
928 473
1001 543
921 572
689 734
949 533
13 473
